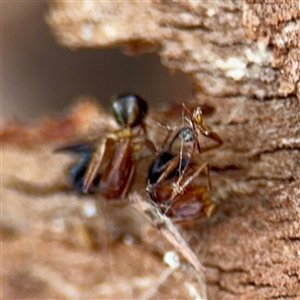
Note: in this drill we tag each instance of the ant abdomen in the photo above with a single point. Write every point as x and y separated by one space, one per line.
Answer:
159 165
155 170
78 169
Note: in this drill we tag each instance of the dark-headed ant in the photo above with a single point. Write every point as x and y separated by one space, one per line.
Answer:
108 166
171 177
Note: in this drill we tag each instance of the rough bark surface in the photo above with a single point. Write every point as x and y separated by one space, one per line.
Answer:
243 60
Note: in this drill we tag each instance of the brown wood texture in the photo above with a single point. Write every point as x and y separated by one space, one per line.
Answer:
243 60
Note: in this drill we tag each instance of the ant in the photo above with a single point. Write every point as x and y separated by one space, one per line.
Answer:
182 200
108 166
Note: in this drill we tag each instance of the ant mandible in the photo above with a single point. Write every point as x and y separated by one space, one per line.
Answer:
183 200
108 166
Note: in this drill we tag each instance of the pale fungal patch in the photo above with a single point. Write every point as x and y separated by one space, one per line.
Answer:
128 239
260 56
290 27
172 260
237 74
186 17
88 6
260 93
234 67
87 32
109 31
211 12
192 291
89 209
290 141
58 225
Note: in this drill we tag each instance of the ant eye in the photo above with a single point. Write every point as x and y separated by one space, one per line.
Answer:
129 109
197 116
186 134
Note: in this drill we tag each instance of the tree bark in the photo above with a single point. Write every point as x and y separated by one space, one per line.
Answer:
243 61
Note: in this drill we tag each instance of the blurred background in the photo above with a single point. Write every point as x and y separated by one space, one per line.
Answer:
39 76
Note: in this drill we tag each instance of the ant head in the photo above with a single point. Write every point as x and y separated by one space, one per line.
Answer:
197 116
129 110
186 134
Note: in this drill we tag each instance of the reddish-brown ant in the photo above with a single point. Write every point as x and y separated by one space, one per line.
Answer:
171 178
108 166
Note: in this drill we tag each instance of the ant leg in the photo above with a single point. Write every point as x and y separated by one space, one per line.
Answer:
188 111
197 173
129 182
207 132
79 148
178 188
94 165
186 165
149 144
208 177
165 145
168 168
